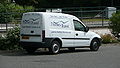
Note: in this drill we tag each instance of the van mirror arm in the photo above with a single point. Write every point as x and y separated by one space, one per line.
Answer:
86 29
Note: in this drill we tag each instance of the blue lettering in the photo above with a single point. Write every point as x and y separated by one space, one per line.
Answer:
31 21
60 24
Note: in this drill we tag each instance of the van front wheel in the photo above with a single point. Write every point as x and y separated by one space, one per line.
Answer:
95 44
55 47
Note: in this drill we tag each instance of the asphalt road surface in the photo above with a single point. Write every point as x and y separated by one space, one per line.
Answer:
108 56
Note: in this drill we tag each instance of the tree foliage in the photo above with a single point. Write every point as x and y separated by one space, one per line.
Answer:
4 13
17 10
68 3
9 11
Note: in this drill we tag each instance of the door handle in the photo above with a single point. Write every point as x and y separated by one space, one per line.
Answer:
76 34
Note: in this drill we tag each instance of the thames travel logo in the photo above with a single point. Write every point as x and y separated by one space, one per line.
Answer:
62 24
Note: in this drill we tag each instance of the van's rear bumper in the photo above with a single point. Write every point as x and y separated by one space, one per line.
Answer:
34 44
45 44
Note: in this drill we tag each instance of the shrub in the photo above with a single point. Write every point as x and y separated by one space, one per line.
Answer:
13 38
10 41
115 24
107 38
2 43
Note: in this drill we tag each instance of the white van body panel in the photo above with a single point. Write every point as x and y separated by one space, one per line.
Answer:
59 26
55 25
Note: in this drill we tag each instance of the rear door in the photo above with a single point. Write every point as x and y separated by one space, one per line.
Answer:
81 38
31 27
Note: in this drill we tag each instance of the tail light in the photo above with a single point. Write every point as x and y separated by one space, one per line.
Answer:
43 35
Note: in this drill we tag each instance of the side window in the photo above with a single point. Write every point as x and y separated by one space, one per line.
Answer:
78 26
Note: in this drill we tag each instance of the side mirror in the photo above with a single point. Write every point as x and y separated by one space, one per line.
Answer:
86 29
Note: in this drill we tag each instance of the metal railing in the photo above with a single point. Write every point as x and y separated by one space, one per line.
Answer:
91 16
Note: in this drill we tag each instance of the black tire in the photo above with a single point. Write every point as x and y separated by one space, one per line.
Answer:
55 47
95 44
71 49
30 50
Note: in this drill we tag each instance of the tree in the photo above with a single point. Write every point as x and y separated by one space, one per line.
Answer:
17 10
1 1
9 11
5 17
67 3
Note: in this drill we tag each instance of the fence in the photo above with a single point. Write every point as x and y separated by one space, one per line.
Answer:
91 16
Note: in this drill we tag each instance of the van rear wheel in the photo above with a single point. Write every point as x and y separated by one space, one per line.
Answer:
55 47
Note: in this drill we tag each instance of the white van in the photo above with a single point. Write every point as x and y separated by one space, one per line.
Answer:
55 31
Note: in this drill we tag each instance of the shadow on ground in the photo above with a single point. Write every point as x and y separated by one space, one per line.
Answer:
40 53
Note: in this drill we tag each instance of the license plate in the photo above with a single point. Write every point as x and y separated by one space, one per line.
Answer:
25 37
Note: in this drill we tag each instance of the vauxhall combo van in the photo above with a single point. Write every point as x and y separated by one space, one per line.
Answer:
55 31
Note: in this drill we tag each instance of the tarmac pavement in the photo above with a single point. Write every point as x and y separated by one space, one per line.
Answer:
108 56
